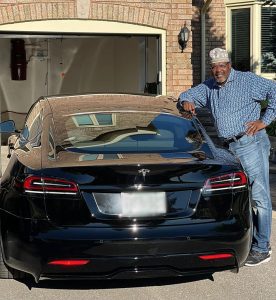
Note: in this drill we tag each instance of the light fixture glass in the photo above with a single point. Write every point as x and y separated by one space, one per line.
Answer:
183 37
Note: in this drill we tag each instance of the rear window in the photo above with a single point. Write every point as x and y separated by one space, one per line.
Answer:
127 132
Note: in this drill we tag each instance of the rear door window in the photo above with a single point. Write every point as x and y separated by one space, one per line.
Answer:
128 132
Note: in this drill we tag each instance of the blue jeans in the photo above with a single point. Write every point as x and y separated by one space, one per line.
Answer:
253 153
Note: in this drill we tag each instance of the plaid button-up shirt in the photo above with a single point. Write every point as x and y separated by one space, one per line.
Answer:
236 102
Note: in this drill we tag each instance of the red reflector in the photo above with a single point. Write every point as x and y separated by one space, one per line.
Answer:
47 184
231 180
216 256
69 262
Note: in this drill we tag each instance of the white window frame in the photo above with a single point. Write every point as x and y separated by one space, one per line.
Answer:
229 31
255 32
94 120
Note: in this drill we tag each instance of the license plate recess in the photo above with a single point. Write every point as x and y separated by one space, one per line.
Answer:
143 204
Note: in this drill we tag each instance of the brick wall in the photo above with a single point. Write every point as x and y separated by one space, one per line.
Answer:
183 69
196 42
215 28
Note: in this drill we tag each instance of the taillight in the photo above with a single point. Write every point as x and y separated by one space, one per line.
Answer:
37 184
226 181
69 262
216 256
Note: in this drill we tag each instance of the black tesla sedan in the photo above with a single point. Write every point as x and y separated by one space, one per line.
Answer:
110 186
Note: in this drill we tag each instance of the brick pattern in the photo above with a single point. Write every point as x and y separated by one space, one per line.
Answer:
22 12
179 69
128 14
196 42
215 27
183 69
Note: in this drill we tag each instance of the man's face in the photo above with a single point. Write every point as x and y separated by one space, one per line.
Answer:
221 71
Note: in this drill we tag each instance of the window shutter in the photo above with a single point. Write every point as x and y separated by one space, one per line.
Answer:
241 39
268 48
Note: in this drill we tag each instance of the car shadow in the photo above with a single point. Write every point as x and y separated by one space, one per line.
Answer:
110 284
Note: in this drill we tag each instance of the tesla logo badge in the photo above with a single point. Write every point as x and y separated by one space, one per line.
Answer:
144 172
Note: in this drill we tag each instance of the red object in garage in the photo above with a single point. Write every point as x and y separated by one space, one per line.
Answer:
18 60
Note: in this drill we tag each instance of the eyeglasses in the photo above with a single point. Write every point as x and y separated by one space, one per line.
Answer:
221 66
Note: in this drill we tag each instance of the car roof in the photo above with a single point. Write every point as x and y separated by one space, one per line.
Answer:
72 104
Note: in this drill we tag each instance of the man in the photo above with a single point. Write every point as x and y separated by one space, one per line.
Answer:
234 97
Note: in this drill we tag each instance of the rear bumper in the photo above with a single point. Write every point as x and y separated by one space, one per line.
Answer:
142 267
117 253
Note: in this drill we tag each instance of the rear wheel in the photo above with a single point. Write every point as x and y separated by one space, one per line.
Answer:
9 273
4 271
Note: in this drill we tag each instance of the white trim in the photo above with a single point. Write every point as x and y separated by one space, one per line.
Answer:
255 36
47 192
271 76
203 38
240 2
80 26
226 188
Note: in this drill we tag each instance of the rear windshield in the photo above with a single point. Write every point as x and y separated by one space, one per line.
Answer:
127 132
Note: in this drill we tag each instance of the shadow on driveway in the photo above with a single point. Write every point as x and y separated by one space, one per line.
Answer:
110 284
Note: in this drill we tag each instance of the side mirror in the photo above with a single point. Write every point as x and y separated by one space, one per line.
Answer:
11 141
7 127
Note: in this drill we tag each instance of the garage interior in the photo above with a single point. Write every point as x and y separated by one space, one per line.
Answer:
75 64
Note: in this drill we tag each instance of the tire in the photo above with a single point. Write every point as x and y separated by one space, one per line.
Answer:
4 271
9 273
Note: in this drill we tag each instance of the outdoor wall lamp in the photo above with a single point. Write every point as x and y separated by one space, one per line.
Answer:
183 37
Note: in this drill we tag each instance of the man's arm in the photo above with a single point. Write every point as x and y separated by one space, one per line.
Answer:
194 97
270 112
265 89
189 106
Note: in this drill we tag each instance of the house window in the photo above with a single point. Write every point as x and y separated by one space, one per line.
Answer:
94 120
83 120
104 119
240 38
268 40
